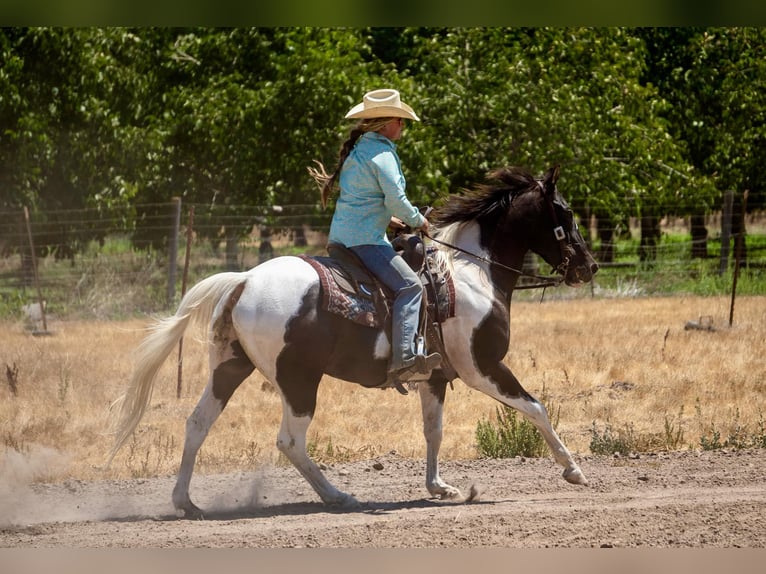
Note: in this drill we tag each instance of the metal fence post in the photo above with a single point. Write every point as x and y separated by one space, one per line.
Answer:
173 251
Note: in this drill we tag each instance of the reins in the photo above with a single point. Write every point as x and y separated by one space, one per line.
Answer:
545 280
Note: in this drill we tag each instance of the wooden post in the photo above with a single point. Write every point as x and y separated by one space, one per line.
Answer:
173 251
728 202
40 301
737 253
189 229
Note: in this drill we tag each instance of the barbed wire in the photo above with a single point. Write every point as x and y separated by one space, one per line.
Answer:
111 271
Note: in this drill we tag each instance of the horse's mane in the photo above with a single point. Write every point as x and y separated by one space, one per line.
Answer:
486 201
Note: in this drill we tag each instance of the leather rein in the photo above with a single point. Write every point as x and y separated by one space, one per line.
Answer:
544 280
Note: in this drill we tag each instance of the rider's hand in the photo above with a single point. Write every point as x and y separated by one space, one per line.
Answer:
396 223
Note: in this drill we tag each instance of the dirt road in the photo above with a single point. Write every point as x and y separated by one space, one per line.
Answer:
689 499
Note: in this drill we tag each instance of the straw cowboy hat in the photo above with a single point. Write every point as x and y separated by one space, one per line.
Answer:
384 103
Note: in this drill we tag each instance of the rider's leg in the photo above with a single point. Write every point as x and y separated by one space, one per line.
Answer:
392 270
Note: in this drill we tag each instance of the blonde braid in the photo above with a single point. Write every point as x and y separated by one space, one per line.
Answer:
326 181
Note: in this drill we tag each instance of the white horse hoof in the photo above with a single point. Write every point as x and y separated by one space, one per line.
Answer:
450 493
575 476
444 492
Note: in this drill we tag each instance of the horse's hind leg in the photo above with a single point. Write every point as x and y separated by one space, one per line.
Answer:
229 366
432 403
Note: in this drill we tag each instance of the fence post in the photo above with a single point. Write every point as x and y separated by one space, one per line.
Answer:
173 250
728 202
738 241
189 229
40 301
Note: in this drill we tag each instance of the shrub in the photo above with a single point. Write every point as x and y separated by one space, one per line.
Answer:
510 435
612 441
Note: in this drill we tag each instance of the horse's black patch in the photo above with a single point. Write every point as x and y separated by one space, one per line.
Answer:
229 374
489 345
301 363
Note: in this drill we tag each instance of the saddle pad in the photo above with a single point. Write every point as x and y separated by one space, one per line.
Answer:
339 301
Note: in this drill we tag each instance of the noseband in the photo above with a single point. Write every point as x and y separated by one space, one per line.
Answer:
565 243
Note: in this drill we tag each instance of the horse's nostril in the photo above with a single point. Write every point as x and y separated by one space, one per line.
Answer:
594 268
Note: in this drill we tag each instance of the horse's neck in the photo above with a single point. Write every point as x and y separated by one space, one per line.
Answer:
473 262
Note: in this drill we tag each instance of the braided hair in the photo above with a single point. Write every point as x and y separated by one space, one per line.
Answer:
326 181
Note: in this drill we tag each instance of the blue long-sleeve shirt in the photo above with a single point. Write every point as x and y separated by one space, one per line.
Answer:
372 189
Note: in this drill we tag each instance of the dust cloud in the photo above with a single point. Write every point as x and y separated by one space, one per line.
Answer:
26 499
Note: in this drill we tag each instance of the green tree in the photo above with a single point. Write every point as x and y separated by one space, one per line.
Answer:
70 136
714 79
538 97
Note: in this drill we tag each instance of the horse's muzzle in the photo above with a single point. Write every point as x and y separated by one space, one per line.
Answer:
578 275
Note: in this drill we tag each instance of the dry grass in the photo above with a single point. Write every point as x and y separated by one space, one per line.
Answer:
621 362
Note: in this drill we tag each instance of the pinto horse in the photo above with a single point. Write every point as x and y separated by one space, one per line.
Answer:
270 319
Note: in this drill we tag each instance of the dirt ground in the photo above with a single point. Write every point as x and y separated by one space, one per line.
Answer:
687 500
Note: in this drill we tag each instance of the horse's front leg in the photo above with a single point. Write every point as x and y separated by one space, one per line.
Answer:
432 402
500 383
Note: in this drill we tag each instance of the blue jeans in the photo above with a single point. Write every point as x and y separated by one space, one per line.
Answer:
394 272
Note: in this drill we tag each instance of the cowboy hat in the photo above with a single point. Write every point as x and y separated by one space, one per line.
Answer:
382 104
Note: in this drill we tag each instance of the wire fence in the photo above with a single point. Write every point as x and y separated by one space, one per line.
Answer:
117 265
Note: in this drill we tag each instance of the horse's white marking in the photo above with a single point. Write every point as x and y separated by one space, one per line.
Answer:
267 300
292 443
382 348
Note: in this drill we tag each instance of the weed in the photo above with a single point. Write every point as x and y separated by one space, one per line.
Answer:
15 443
12 374
510 435
674 435
65 381
759 439
620 441
739 436
143 461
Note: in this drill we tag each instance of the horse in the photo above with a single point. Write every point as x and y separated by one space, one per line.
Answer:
269 318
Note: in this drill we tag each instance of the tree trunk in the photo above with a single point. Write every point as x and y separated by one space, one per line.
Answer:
650 238
738 232
265 250
300 237
699 237
232 245
605 232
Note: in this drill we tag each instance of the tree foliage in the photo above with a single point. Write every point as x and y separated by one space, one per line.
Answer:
642 121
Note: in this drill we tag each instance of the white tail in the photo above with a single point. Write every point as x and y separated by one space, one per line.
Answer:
197 305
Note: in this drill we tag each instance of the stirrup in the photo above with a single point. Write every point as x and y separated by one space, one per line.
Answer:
395 378
422 364
427 363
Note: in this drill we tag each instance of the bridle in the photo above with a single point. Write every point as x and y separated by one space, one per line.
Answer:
565 243
544 280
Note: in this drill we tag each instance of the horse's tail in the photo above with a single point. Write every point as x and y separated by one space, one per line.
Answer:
197 305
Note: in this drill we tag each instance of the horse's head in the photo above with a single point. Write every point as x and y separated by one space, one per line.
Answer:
516 213
552 231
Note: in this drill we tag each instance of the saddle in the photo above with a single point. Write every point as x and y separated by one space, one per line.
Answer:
351 291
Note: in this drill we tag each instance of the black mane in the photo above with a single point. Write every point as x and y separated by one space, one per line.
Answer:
487 201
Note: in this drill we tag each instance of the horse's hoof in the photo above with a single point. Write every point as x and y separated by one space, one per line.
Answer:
190 512
575 476
446 492
345 501
451 493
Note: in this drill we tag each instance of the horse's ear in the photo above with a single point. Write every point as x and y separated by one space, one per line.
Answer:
550 178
